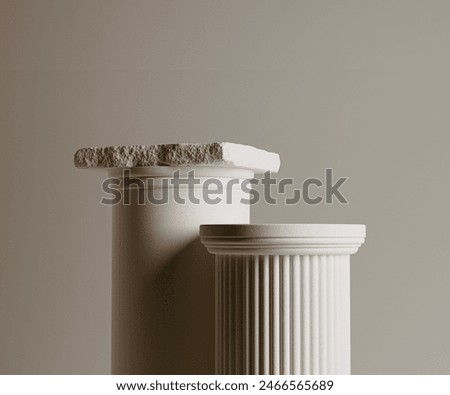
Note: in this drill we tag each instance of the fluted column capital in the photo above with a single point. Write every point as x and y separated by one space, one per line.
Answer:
283 239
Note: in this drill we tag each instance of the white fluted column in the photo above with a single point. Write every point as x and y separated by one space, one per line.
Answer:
282 297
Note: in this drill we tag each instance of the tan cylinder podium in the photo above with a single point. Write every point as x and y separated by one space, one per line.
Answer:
162 277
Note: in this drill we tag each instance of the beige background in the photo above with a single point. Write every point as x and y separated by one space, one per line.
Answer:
359 86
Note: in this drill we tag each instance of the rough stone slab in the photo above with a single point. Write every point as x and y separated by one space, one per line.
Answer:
215 154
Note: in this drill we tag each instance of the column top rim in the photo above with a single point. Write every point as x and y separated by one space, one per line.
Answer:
245 231
222 154
283 239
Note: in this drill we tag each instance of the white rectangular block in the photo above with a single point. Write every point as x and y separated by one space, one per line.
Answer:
193 154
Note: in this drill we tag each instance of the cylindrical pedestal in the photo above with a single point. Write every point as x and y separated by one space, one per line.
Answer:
282 297
163 278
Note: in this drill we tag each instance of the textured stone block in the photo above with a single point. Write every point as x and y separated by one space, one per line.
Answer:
213 154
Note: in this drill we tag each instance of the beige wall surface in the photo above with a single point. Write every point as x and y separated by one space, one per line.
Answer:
362 87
